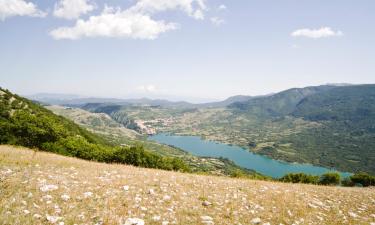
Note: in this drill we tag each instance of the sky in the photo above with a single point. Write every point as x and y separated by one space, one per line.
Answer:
195 50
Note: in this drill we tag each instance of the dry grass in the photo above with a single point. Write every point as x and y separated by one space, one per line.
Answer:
94 193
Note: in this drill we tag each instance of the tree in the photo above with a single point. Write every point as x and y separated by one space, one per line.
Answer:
300 178
330 179
364 179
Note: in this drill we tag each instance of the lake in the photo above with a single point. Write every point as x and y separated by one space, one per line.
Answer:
244 158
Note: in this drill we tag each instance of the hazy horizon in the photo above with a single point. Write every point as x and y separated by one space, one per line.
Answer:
70 96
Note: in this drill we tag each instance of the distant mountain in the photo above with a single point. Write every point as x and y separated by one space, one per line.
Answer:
344 117
75 100
278 104
41 96
226 102
346 103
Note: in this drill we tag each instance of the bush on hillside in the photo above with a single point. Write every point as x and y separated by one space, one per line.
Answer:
347 182
330 179
364 179
300 178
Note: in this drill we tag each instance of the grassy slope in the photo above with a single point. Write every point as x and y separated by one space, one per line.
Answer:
177 197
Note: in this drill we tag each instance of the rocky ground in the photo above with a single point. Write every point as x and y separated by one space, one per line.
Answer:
43 188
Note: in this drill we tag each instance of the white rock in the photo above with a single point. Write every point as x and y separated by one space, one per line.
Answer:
26 211
48 187
53 219
134 221
65 197
206 218
126 188
256 221
352 214
206 203
151 191
165 223
156 218
87 194
166 198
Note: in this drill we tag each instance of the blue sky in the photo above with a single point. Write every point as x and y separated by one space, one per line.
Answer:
184 49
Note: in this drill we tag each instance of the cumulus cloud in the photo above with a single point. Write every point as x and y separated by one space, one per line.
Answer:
10 8
135 22
222 7
115 23
217 21
72 9
193 8
323 32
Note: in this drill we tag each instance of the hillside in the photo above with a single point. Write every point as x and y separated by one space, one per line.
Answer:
115 133
278 104
100 123
61 189
331 126
23 122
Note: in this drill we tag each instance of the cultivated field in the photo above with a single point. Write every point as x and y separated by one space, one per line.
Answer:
43 188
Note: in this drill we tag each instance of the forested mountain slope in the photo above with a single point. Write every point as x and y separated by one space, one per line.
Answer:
278 104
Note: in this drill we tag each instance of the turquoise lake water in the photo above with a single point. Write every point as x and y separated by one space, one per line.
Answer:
244 158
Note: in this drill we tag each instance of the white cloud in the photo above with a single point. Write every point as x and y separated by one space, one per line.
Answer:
217 21
72 9
115 23
193 8
222 7
147 88
10 8
135 22
323 32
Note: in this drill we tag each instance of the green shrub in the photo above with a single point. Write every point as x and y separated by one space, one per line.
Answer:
300 178
330 179
347 182
364 179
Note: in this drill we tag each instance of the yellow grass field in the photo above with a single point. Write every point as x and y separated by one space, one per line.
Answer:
43 188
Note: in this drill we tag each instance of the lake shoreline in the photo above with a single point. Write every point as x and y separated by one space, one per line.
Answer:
290 167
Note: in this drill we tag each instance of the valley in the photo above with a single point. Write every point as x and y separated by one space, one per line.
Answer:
115 133
280 126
